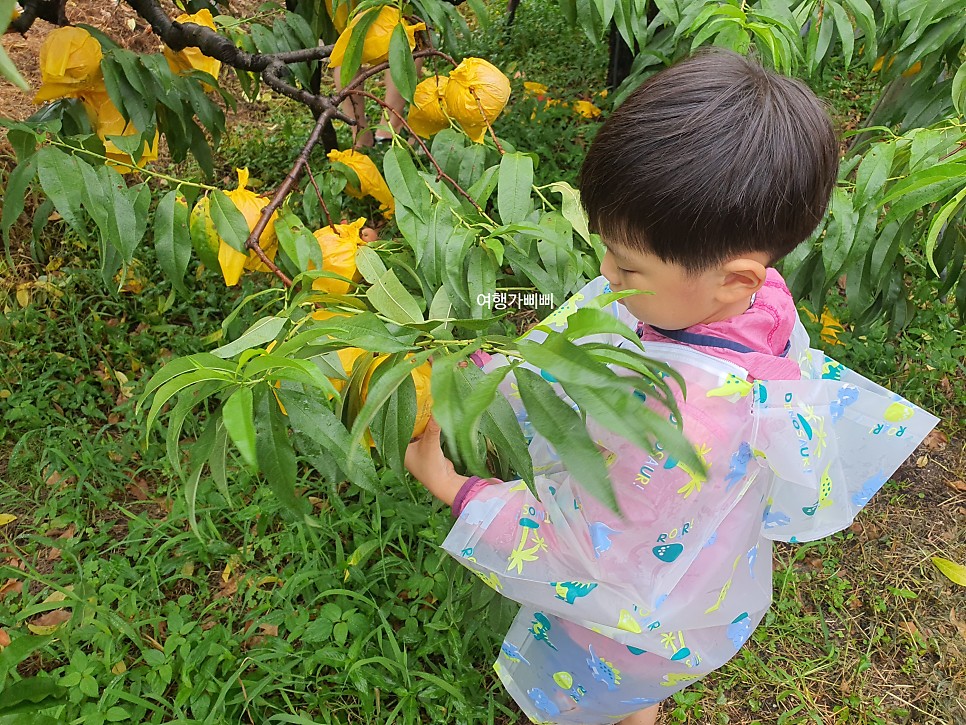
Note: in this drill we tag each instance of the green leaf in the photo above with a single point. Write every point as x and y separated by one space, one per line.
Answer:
448 147
407 185
332 444
571 207
264 330
218 461
448 397
172 242
455 281
32 694
474 405
402 67
200 451
959 90
364 330
180 366
62 180
589 321
237 414
275 368
369 264
298 243
846 31
380 390
392 426
839 234
7 69
390 298
14 196
353 53
501 427
229 221
480 279
276 458
179 384
483 187
865 19
19 650
956 573
439 234
874 170
564 429
937 225
924 187
472 164
513 190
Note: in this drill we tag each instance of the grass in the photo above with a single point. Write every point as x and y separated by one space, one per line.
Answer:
360 617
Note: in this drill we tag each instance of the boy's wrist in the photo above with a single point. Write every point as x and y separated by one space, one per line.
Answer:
445 486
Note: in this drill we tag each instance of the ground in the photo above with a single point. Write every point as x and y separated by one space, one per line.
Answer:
864 627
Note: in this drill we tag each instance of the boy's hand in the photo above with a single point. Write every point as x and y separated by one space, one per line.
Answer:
427 464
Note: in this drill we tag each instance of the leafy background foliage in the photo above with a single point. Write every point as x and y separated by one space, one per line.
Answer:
214 607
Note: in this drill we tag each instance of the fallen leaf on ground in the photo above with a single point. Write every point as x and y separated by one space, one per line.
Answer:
957 485
13 586
4 638
53 554
139 489
935 441
49 622
909 627
7 519
958 623
956 573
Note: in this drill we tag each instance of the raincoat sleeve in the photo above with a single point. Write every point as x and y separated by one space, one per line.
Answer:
832 439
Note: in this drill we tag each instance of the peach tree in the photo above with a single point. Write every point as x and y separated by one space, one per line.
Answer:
354 335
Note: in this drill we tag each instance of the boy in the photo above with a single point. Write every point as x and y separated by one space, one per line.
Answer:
712 171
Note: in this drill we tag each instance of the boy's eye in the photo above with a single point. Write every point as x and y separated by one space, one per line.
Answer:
625 271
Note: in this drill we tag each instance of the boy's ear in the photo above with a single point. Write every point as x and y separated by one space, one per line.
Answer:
742 277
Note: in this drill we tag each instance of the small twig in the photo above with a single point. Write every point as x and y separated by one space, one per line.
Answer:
318 191
260 253
479 105
245 695
440 174
960 147
284 188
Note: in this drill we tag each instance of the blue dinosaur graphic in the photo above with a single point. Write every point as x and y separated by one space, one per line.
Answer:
869 489
540 629
847 395
739 630
739 465
752 558
543 701
640 701
513 653
600 534
603 671
569 591
771 519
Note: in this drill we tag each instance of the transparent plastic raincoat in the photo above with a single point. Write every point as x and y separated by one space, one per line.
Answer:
619 613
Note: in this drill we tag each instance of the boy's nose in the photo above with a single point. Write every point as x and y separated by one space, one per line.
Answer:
609 271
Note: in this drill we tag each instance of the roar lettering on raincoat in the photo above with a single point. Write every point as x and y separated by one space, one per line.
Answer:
620 613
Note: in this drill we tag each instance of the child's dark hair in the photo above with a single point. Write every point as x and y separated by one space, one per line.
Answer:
712 158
